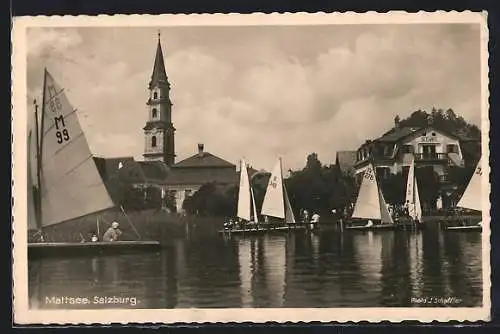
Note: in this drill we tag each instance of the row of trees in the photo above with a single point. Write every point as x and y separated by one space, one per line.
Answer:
322 188
317 188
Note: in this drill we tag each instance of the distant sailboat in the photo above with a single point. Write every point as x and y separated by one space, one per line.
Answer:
276 202
472 198
371 204
247 209
68 182
412 195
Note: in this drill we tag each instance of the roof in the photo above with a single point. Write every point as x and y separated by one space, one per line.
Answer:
154 170
397 134
127 170
346 160
203 160
159 75
107 167
199 176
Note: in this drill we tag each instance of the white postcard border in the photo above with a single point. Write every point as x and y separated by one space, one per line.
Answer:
24 315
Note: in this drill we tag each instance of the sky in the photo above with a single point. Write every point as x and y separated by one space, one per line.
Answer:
259 92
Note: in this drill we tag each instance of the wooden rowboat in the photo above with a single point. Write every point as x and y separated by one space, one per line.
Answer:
62 249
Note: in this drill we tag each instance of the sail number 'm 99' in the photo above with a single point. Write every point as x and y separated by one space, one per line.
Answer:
62 133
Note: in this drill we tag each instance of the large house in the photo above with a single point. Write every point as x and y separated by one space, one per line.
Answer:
430 147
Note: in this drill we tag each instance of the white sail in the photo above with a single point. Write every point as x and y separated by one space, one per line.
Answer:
412 195
385 216
71 186
418 206
289 216
244 200
472 197
273 204
368 202
254 206
31 182
410 190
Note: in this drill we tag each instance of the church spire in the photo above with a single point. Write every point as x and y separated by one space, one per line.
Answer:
159 75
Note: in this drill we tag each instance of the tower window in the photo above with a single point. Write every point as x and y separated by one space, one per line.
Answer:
154 113
155 95
153 141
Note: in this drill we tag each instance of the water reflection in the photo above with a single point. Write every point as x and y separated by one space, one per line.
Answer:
328 269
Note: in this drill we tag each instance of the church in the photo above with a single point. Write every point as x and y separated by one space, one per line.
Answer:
159 168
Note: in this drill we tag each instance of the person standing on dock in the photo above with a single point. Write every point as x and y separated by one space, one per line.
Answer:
113 233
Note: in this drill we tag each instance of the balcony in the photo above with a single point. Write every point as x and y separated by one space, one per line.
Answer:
431 157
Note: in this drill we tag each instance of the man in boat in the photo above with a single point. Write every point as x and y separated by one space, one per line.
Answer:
314 220
113 233
370 223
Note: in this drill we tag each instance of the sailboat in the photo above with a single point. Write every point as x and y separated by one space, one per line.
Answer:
370 205
276 205
412 196
68 184
247 209
471 199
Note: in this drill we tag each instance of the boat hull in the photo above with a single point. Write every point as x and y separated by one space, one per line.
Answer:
64 249
263 230
470 228
372 228
386 227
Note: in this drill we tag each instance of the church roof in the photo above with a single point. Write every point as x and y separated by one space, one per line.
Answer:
203 160
127 170
159 75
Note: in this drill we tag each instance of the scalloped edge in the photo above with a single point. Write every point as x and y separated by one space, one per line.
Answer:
345 316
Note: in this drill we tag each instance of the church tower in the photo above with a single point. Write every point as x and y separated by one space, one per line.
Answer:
159 130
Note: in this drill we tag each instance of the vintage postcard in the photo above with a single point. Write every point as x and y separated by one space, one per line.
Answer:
251 168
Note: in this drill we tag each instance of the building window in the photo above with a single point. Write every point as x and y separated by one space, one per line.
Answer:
155 95
434 134
424 134
407 149
154 112
452 148
153 141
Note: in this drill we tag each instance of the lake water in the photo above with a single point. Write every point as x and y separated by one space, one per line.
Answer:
202 269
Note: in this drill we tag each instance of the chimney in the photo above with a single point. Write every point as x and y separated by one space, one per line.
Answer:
200 149
396 121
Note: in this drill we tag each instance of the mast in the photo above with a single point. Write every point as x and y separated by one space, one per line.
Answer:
38 197
283 190
39 150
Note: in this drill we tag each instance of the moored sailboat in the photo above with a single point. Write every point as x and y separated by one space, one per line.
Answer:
276 206
370 206
68 185
413 197
246 208
471 199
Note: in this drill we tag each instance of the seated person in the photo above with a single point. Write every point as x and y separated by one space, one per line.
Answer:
113 233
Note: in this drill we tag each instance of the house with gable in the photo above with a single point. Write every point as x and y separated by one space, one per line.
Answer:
430 147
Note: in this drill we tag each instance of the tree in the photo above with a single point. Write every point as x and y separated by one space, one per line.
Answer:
212 200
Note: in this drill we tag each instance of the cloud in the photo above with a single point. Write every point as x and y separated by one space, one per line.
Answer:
260 92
